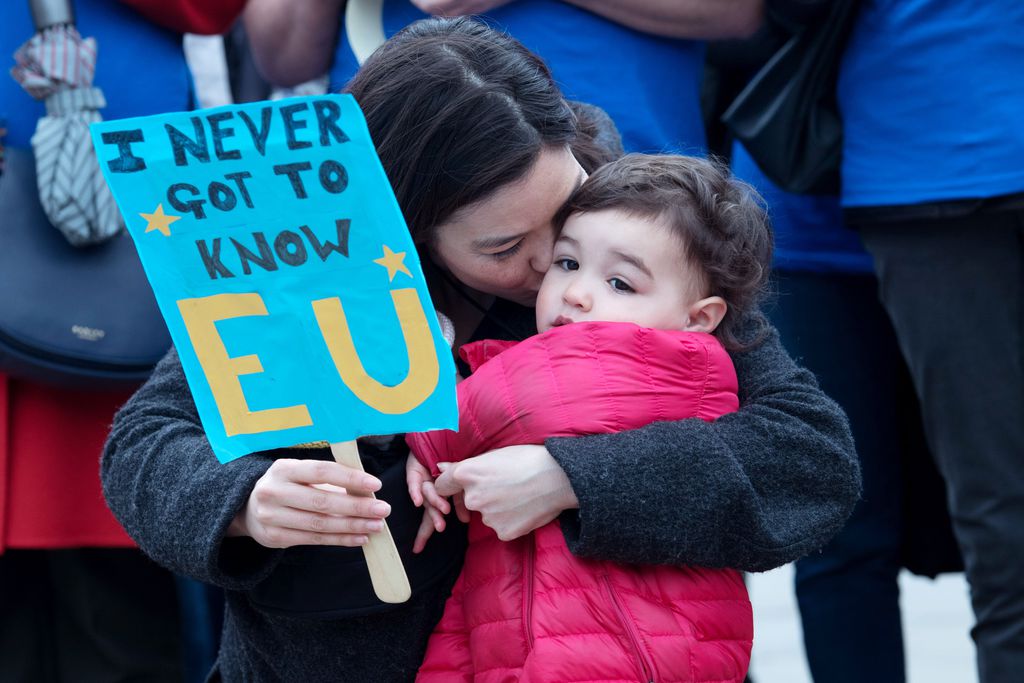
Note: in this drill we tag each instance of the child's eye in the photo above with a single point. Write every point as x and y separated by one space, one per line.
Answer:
506 253
567 264
620 285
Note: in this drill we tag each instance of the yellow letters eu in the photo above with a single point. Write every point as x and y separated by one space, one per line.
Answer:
423 374
222 371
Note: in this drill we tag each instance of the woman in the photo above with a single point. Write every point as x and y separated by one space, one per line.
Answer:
477 142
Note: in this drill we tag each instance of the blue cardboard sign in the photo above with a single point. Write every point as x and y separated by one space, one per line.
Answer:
284 269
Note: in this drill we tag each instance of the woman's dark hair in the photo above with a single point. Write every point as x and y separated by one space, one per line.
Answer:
598 141
721 222
457 111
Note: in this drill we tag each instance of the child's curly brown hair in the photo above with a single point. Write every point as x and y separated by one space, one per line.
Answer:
721 221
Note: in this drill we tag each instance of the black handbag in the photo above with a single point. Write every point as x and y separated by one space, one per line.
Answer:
74 316
787 117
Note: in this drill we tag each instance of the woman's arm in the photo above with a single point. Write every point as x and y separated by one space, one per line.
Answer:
218 522
696 19
753 490
170 493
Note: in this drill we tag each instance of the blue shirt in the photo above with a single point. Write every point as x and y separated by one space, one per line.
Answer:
809 230
140 67
649 85
932 98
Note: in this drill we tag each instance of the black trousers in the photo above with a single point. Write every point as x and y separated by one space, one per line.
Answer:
954 290
833 324
87 615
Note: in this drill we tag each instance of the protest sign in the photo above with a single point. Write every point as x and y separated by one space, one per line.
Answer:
285 272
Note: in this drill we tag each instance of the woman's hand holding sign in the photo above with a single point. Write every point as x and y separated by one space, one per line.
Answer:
311 502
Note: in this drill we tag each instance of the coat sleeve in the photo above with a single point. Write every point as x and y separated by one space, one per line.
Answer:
171 494
190 16
751 491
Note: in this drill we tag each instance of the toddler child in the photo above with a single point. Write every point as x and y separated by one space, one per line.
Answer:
658 262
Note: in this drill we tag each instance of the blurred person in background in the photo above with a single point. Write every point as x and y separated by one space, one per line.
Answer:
931 102
638 60
80 602
829 316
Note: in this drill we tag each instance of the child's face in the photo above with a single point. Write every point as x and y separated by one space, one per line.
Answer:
614 267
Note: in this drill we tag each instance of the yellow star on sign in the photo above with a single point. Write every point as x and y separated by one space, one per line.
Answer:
158 220
393 262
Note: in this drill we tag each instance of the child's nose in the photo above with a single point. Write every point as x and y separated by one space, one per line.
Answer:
576 295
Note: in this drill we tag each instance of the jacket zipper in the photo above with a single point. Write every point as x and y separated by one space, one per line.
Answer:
528 559
645 666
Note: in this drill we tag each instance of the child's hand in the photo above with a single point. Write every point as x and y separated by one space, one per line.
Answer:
423 494
433 520
421 486
415 476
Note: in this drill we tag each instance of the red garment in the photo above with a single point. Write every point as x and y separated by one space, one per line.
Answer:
528 610
51 438
50 444
207 17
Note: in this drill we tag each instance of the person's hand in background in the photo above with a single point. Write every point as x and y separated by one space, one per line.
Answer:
456 8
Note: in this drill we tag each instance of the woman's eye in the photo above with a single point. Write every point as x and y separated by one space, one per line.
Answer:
506 253
620 285
567 264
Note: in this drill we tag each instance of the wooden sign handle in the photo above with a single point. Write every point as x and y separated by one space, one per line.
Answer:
386 571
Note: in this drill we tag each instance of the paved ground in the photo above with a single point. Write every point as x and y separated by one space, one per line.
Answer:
936 618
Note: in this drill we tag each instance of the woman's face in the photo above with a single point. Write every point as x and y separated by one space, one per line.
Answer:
501 245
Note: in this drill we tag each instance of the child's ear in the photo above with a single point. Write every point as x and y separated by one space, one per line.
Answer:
706 314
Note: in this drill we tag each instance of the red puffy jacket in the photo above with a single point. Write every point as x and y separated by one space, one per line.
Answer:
528 610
